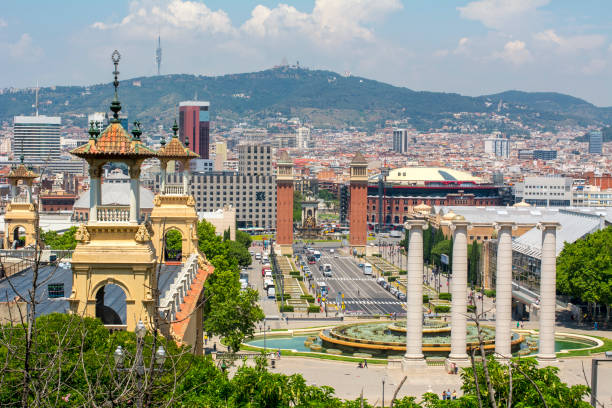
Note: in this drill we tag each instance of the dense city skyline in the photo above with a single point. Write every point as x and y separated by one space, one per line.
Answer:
472 47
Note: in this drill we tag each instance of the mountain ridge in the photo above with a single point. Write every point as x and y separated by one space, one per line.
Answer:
320 97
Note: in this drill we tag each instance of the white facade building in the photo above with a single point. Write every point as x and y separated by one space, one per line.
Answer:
545 191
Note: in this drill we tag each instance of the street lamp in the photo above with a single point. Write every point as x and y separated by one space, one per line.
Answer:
383 391
138 367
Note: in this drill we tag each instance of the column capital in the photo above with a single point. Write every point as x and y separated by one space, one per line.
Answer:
415 223
544 225
504 224
459 224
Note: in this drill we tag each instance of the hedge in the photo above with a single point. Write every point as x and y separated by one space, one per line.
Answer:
377 255
471 308
294 274
403 272
489 292
445 296
309 298
425 299
285 296
300 278
286 308
314 309
392 278
442 309
387 273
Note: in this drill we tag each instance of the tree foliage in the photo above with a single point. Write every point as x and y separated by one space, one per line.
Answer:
297 206
57 241
228 311
245 239
584 268
174 241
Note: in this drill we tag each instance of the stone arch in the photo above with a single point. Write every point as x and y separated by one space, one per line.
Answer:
172 253
396 219
111 311
110 281
309 213
388 219
18 237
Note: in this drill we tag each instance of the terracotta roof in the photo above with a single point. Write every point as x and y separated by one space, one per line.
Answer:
359 159
114 141
174 149
21 172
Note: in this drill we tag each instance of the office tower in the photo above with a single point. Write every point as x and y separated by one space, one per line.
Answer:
37 137
545 154
194 126
254 160
220 155
158 55
400 140
302 137
498 146
595 142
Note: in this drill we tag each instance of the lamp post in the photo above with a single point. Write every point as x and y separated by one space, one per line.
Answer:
264 328
138 367
383 392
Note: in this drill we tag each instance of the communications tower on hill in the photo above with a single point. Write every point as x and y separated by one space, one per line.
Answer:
158 54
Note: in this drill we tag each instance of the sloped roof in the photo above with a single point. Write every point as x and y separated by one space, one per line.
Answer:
21 172
359 159
113 142
117 194
174 149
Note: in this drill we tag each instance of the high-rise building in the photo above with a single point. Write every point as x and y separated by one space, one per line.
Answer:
545 154
220 155
37 137
194 126
498 146
595 142
254 160
400 140
302 139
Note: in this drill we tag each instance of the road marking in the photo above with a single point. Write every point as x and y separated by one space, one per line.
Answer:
351 279
373 302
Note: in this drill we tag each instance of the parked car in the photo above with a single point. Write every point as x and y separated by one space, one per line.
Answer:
402 297
271 293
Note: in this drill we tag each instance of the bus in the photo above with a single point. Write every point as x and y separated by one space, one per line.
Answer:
367 269
321 289
317 255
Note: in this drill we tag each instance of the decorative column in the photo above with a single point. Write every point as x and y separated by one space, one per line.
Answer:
13 190
134 193
162 184
458 353
284 203
358 234
414 295
548 291
503 290
186 178
94 192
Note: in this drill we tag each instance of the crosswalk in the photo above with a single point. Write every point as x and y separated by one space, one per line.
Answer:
373 302
349 279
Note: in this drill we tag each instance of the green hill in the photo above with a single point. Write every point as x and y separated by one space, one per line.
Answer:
322 98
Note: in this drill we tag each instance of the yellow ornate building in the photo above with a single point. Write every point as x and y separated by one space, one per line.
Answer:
21 217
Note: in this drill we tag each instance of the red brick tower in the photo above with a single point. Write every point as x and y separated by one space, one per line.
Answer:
284 204
359 198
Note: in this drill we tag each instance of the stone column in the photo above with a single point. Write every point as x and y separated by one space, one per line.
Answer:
134 193
503 290
29 192
94 192
186 182
458 352
548 291
414 296
13 190
162 184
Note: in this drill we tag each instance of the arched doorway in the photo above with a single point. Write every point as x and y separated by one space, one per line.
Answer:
388 219
111 306
19 237
173 245
396 219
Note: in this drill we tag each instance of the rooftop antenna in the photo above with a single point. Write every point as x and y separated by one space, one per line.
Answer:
158 54
36 98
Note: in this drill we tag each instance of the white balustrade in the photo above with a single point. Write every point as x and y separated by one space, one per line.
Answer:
20 199
113 213
173 189
173 298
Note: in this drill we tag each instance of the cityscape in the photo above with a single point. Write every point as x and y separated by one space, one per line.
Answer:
225 230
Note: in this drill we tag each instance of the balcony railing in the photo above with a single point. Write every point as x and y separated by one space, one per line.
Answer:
116 327
21 200
174 189
113 213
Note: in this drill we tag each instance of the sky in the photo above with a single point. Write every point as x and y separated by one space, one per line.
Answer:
472 47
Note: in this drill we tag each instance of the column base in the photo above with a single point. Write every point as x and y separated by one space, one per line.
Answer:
411 362
360 249
459 360
546 359
285 249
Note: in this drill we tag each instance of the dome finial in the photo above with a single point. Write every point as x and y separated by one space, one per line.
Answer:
175 129
115 104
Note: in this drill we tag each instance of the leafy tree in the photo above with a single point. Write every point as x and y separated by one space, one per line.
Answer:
327 195
473 262
525 373
57 241
442 247
174 241
244 238
239 252
584 269
297 206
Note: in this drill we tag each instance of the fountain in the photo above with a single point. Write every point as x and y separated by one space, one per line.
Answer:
389 339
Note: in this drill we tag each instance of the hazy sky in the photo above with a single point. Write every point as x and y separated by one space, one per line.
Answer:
470 47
